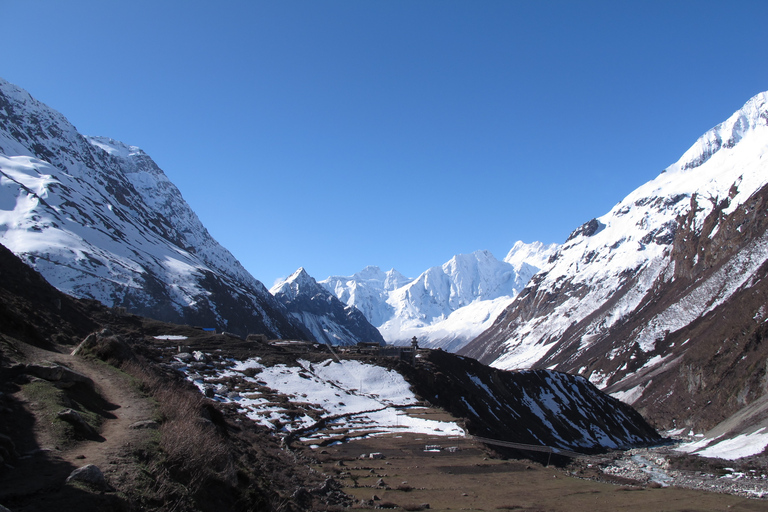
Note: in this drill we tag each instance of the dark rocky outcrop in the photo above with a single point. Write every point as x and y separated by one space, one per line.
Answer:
535 407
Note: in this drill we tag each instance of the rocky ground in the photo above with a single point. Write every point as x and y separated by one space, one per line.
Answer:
665 467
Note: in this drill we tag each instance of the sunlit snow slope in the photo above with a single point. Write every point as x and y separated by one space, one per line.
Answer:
98 219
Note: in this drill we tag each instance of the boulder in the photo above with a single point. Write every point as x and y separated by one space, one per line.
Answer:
57 373
73 417
184 357
89 474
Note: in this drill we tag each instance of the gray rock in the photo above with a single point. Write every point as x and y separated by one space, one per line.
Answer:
145 424
57 373
89 474
73 417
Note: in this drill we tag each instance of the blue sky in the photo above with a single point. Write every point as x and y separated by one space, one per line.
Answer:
338 134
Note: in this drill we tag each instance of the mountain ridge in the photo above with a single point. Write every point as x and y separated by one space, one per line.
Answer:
100 220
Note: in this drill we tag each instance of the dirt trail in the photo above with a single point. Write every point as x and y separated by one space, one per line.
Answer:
43 470
130 407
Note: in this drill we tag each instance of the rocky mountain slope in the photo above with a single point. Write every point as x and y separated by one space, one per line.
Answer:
445 306
661 300
330 321
100 220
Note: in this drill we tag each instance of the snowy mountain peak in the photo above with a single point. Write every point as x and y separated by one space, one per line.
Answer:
300 275
727 134
446 305
300 282
375 277
609 266
114 147
331 321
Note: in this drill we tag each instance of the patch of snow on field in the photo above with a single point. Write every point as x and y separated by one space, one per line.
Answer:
353 398
170 337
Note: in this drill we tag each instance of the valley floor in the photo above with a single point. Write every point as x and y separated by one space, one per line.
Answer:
458 474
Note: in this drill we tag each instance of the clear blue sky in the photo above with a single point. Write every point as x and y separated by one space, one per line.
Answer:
339 134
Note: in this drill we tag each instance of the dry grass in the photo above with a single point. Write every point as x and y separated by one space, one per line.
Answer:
193 451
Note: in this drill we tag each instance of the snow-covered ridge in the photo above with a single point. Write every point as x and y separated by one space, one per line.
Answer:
727 134
605 269
364 399
99 219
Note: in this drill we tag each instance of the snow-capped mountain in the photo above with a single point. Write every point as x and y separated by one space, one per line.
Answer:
98 219
658 299
367 290
445 306
331 321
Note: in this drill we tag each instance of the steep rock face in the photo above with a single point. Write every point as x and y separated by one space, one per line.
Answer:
447 305
707 370
100 220
330 320
685 253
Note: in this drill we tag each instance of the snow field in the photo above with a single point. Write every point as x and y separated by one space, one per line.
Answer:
357 398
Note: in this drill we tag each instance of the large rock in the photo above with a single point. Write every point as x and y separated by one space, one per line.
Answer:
59 374
75 419
89 474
